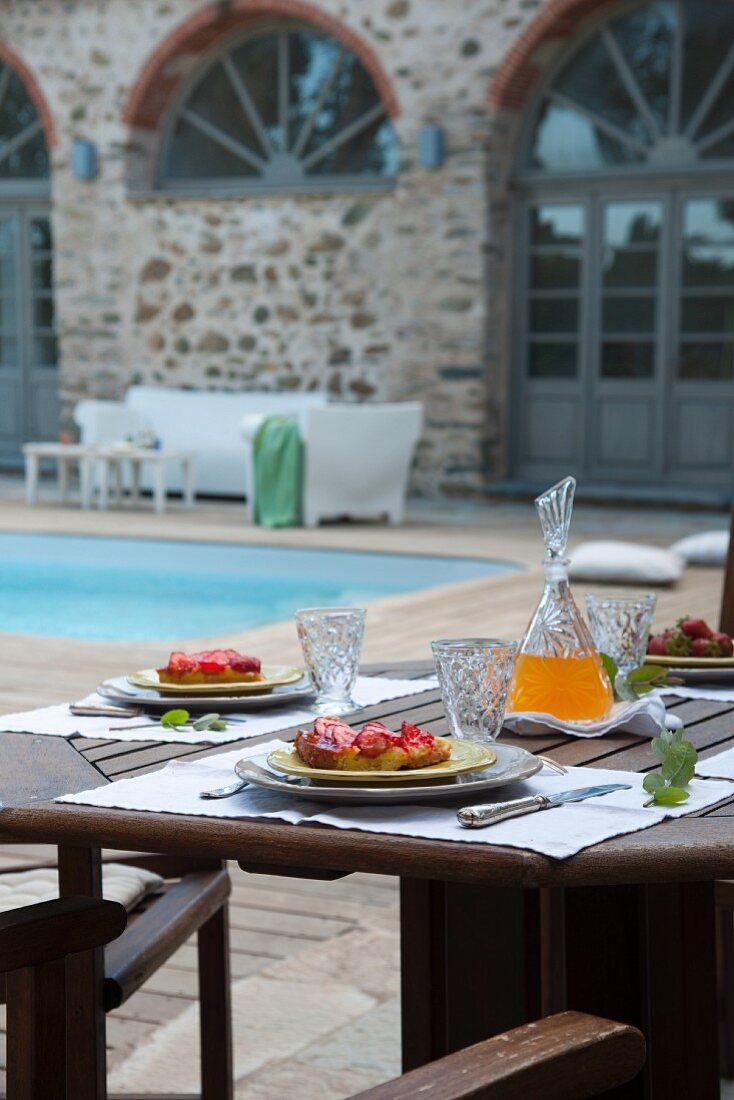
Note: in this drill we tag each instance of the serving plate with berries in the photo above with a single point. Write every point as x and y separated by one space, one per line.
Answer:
697 652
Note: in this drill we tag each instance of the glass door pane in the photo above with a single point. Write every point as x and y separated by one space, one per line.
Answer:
706 350
556 238
629 288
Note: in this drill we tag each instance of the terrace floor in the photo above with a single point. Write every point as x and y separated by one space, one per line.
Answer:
314 965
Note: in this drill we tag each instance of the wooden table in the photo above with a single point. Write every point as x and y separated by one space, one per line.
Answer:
491 937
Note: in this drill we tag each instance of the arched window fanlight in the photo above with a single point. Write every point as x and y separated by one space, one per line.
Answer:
23 152
287 108
653 88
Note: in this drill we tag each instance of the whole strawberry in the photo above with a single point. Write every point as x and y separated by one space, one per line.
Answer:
725 644
704 647
695 628
658 646
678 645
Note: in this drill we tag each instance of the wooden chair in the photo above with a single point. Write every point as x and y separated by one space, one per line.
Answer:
726 616
566 1057
34 944
725 890
570 1056
193 899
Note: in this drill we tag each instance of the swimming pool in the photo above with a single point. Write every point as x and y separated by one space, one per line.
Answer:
116 589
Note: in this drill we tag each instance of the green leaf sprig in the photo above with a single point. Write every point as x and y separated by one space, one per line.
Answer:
628 687
180 719
678 765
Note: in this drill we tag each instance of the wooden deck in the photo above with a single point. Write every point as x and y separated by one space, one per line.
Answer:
313 963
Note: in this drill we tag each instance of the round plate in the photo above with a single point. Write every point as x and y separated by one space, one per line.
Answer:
697 670
275 676
465 756
512 764
120 692
690 662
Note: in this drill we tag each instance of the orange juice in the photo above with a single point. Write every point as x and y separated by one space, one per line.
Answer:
575 688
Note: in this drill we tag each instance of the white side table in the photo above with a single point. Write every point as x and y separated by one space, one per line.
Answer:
65 455
111 459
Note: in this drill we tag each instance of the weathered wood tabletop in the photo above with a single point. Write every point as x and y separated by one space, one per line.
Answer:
491 937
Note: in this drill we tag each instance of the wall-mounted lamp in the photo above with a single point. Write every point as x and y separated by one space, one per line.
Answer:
431 146
84 164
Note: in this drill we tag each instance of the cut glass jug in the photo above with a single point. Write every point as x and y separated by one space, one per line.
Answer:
558 669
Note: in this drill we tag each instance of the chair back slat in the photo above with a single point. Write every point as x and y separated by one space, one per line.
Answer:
726 619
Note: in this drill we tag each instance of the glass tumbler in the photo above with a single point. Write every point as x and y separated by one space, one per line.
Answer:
620 626
474 676
331 640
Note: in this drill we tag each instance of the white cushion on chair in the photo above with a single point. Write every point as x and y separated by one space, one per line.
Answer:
625 563
708 548
127 885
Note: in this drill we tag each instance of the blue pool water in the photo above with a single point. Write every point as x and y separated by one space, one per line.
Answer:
116 589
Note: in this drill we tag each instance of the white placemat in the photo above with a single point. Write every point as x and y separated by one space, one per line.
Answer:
644 717
558 833
720 766
57 721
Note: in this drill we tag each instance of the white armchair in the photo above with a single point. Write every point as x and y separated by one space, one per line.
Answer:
356 459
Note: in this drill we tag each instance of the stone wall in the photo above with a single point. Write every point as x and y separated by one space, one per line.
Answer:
367 295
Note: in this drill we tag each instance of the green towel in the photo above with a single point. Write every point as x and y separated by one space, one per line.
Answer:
277 458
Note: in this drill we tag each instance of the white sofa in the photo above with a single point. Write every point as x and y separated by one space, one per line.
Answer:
357 458
206 422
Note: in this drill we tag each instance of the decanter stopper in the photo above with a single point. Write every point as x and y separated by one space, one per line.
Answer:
554 512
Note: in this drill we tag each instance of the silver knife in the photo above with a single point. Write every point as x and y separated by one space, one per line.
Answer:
476 817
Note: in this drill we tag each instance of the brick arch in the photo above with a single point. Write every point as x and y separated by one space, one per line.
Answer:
521 68
36 96
163 71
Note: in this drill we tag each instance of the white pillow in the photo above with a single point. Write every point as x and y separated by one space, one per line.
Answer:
708 548
625 563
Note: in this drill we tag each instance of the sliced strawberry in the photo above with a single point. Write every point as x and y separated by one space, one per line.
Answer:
375 727
179 663
412 735
372 742
333 731
240 663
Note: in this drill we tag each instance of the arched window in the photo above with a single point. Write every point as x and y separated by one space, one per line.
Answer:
286 108
23 152
626 339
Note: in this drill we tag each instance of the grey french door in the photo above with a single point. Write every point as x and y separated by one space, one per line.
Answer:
28 350
624 353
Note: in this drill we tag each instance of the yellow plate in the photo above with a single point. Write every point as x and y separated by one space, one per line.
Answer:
690 662
275 676
466 756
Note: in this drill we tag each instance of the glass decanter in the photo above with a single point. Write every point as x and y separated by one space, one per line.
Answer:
558 670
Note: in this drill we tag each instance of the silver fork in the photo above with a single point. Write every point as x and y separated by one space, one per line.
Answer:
553 765
235 788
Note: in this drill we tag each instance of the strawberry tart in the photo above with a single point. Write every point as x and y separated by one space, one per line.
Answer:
334 745
212 666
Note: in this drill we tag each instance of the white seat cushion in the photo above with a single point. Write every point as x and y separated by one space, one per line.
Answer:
625 563
708 548
127 885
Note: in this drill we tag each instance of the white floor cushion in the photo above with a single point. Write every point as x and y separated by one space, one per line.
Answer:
128 885
625 563
708 548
